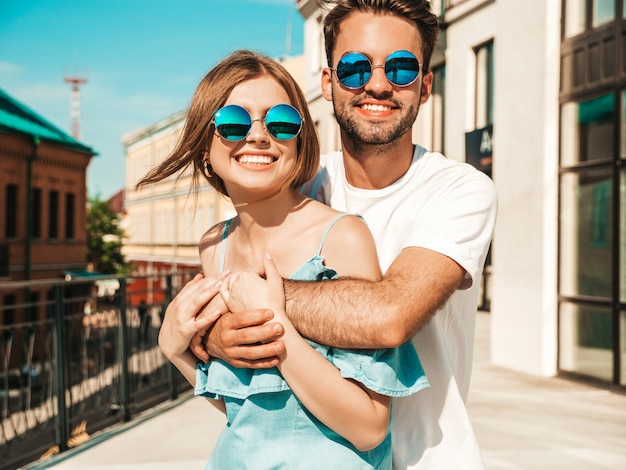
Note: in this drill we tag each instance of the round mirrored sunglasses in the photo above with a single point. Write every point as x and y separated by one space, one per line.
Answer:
233 122
355 69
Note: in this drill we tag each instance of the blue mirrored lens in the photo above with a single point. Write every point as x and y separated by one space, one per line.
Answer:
233 122
354 70
283 122
402 68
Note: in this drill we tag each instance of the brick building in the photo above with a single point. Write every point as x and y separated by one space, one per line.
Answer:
43 197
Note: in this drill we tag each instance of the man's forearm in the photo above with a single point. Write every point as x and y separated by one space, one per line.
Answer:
345 313
355 313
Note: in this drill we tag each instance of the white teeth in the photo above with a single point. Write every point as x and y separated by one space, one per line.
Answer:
255 159
376 107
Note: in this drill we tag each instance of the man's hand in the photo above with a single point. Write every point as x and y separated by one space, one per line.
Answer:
245 339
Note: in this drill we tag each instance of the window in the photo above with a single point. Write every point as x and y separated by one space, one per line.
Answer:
575 17
583 15
11 211
317 55
8 311
33 307
587 130
4 260
622 231
623 133
585 334
603 12
438 106
70 213
484 86
53 215
592 191
586 233
35 214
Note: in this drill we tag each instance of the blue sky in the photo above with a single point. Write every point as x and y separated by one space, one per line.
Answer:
142 60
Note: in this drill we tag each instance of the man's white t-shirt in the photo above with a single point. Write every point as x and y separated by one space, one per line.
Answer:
448 207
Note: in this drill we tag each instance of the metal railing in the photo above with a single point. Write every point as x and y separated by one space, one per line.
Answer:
80 361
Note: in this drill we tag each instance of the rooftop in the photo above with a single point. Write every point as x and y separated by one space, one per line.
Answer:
17 118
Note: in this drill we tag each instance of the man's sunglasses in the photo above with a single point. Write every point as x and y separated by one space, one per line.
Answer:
354 69
234 123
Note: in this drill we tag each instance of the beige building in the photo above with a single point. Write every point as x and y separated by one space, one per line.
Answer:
164 222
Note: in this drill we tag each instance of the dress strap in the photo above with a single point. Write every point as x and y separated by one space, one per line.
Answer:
330 225
224 235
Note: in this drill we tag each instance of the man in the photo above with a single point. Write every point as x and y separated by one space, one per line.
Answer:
432 220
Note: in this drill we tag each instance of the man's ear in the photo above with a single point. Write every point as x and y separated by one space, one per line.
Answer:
327 84
427 87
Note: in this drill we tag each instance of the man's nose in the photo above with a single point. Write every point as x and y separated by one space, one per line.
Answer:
378 82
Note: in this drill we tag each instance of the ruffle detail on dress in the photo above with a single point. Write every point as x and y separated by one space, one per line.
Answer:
393 372
217 380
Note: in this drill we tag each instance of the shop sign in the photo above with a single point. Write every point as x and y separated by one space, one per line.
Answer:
479 148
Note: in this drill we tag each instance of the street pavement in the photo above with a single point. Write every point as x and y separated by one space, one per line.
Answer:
521 421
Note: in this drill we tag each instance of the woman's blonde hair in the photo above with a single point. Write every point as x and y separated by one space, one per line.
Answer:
210 95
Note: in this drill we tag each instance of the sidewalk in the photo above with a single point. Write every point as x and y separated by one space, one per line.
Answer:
522 422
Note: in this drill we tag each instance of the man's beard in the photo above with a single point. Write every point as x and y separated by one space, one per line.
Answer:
364 133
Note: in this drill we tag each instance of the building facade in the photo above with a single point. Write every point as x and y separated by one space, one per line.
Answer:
533 93
164 221
43 204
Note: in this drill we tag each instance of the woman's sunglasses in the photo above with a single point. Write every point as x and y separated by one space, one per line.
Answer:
234 123
354 69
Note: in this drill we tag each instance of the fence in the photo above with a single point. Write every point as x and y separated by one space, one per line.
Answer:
80 361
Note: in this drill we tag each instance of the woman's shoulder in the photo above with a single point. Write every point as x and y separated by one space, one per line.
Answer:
210 246
347 243
214 235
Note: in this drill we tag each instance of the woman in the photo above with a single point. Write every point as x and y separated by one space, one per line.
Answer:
249 133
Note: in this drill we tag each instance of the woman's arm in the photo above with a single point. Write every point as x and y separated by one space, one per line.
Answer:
185 316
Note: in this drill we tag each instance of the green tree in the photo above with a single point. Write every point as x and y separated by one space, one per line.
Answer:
105 239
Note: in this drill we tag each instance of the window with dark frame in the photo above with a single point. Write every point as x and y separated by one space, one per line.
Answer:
36 214
53 215
484 85
591 190
70 213
10 211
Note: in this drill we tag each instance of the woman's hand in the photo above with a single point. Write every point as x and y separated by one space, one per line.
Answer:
189 313
216 304
249 290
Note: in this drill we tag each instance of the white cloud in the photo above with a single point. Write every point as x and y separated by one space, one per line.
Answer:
7 68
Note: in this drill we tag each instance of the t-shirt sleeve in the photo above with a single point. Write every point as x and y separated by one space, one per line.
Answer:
460 223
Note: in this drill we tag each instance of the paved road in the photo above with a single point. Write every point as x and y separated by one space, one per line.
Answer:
522 422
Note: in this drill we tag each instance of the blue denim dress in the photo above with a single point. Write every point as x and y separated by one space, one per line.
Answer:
268 427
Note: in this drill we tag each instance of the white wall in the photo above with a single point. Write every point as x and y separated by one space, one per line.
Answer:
524 305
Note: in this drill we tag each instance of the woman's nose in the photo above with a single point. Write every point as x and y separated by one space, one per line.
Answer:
258 132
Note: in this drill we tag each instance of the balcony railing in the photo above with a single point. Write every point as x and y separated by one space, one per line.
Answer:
85 360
